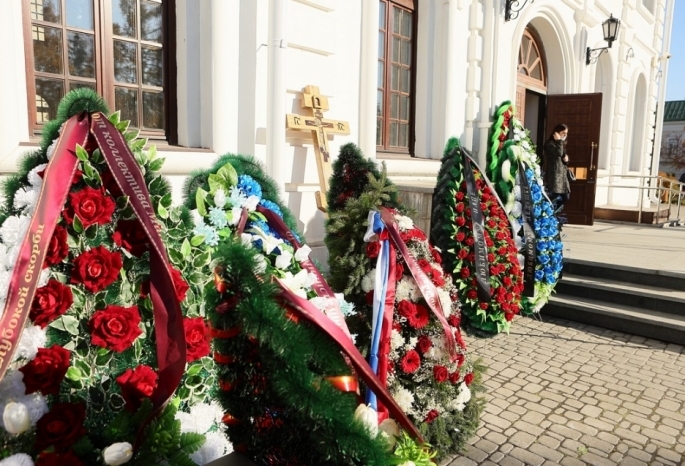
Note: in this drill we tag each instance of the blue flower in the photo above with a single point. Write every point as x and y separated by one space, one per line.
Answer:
210 234
539 275
217 217
272 206
249 186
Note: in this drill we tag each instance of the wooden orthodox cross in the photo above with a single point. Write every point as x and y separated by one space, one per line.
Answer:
320 128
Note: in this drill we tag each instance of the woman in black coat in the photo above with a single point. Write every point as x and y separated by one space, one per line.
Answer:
556 174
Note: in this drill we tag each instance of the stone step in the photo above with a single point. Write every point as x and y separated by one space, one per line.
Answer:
628 319
635 275
618 292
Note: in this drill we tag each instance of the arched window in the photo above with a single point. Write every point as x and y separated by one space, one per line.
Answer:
531 62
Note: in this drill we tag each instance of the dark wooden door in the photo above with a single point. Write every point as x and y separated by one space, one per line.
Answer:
583 115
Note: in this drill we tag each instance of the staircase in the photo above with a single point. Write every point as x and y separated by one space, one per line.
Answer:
636 301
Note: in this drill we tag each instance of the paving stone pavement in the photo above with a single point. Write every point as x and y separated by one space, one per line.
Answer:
564 393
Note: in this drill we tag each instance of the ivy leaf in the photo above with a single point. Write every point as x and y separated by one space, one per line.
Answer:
74 373
176 256
202 260
166 200
115 117
197 240
185 248
156 165
194 370
66 324
81 153
83 367
77 224
216 182
200 197
161 211
197 278
92 231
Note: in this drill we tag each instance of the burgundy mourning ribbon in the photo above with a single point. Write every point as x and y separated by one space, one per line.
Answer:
477 220
169 334
428 289
316 317
321 287
529 248
53 194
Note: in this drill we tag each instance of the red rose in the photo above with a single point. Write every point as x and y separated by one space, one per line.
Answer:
58 248
431 416
460 360
50 302
131 236
96 269
461 236
440 373
180 284
424 344
454 320
470 241
406 308
197 338
460 221
484 305
459 196
410 362
436 256
399 271
509 316
61 427
465 272
472 294
137 384
58 459
115 327
420 318
91 205
460 207
468 379
463 253
46 371
454 377
372 249
424 265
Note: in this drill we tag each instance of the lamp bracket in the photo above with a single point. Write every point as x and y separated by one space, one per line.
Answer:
513 8
592 55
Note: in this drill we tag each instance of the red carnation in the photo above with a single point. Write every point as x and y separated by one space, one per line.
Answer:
197 338
131 236
58 459
50 302
425 265
420 318
92 206
483 305
180 284
406 309
399 271
424 344
410 362
61 427
454 320
440 373
468 379
58 248
436 256
509 316
460 360
137 384
454 377
47 370
115 327
373 249
96 269
431 416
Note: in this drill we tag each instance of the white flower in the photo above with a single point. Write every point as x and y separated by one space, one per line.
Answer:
246 239
404 398
459 403
522 260
260 264
516 226
26 198
525 145
236 212
12 386
437 351
405 223
517 209
299 282
368 417
369 280
216 445
16 418
37 406
118 453
44 277
20 459
302 254
197 218
390 431
34 178
517 191
251 203
518 241
537 171
14 229
51 149
283 260
506 167
206 416
187 422
270 242
32 338
5 278
220 198
396 339
407 289
445 301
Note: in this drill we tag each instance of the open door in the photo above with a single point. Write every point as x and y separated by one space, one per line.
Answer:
583 115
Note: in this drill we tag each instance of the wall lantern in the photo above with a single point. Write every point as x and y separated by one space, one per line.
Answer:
610 29
513 7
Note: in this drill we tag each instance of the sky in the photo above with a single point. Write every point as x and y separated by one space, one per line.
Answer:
675 86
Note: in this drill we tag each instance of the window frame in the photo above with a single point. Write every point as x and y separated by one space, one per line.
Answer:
104 66
385 148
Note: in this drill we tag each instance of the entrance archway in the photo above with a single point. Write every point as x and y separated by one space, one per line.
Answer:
531 85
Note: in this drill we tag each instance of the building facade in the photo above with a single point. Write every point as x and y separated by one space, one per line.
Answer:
206 77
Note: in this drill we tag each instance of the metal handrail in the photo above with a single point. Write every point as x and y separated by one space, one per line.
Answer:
646 182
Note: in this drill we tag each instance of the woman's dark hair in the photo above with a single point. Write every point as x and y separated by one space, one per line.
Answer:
558 129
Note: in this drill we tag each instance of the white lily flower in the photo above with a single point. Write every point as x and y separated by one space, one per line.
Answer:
297 283
302 254
271 243
118 453
220 198
251 203
236 212
283 260
246 239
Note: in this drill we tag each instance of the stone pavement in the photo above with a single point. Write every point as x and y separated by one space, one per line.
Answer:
562 393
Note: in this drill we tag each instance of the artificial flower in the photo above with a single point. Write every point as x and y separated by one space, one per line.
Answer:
96 269
197 338
130 235
115 327
47 370
137 384
15 418
58 249
118 453
91 206
50 302
20 459
61 427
